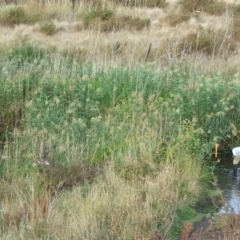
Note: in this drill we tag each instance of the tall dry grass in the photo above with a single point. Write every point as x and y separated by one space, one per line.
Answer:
108 43
111 207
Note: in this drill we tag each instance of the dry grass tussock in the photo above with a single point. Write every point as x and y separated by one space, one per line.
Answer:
102 202
108 35
111 207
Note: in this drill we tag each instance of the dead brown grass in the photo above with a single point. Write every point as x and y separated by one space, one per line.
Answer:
132 30
210 6
210 42
107 21
142 3
176 18
236 25
225 227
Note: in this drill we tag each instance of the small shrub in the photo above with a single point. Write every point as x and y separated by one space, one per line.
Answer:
103 26
10 1
94 4
76 54
213 7
235 9
117 23
25 52
177 18
100 15
13 16
210 42
48 28
130 23
78 27
193 5
64 177
236 25
55 173
156 3
142 3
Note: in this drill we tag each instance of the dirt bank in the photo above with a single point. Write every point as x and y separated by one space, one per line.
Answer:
221 227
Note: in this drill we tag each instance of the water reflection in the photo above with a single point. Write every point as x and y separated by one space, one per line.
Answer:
231 190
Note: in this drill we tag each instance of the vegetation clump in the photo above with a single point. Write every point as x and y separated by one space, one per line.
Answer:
177 18
93 141
48 28
210 42
236 27
213 7
100 141
105 21
142 3
13 16
102 15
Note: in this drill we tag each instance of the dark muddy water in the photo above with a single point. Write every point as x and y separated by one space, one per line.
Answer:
229 185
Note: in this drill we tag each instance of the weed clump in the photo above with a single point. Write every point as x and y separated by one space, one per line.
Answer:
48 28
105 20
25 52
102 15
213 7
131 23
177 18
13 16
16 15
142 3
210 42
236 26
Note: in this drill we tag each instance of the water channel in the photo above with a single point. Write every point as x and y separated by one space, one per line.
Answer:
229 185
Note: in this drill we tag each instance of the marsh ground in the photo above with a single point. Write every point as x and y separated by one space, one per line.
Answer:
108 113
